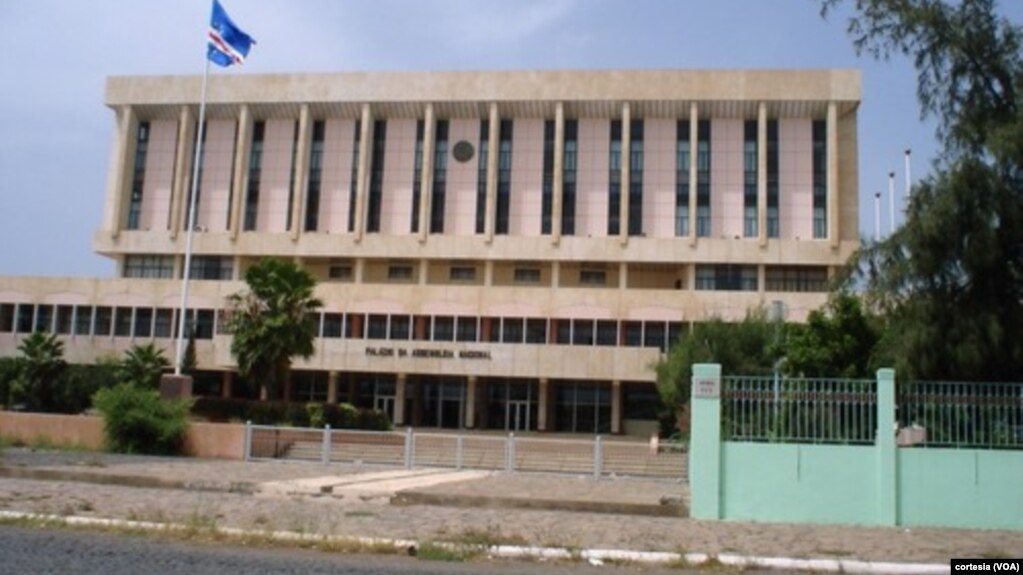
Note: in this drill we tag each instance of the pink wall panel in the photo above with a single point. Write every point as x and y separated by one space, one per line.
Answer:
156 191
399 171
726 175
659 143
527 178
460 204
278 142
592 177
338 145
218 160
795 178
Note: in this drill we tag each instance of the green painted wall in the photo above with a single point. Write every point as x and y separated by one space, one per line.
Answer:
799 483
961 488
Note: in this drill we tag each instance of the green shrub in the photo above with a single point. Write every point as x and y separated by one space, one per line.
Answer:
315 412
10 367
339 416
140 421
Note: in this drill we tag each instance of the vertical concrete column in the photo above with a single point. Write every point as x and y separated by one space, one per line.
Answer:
470 403
616 407
488 273
694 172
832 181
301 179
236 268
705 442
362 175
555 274
121 169
623 275
762 173
359 271
424 272
761 279
543 407
332 378
240 177
493 155
426 174
399 399
226 383
558 191
887 458
182 163
626 175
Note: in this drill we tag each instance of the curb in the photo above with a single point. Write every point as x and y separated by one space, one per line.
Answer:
124 480
487 501
596 556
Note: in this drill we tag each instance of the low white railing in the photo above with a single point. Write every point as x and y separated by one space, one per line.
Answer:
598 457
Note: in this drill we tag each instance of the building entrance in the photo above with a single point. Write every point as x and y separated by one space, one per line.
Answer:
444 403
517 416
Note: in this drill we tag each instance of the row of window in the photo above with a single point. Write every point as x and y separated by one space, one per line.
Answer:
147 322
103 321
683 148
721 277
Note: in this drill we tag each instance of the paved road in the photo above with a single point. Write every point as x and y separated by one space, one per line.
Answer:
34 550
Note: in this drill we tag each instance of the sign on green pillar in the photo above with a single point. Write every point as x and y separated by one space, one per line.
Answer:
705 442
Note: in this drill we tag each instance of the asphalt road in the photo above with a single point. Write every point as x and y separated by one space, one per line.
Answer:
61 551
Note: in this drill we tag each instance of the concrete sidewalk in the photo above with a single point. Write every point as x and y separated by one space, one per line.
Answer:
475 507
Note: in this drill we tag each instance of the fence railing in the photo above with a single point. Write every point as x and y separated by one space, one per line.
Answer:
598 457
947 414
798 410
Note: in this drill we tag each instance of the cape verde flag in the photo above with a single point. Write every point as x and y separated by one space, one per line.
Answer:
228 44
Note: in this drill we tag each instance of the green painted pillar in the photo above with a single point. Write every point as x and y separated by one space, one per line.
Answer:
705 442
887 474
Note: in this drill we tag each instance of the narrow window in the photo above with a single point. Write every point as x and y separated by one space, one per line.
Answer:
504 176
255 167
138 180
749 182
440 177
820 179
682 162
312 207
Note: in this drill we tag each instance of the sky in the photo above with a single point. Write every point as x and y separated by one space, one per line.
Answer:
55 132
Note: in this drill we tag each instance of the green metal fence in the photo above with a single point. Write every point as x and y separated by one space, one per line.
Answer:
950 414
798 410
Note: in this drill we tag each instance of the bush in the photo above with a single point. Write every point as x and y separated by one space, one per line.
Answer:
140 421
10 367
340 416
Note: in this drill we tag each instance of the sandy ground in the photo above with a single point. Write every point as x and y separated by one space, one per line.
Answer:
376 517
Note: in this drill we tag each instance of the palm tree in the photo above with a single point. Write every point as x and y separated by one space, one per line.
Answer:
142 366
42 364
271 322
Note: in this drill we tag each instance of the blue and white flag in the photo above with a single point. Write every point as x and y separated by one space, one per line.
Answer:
228 43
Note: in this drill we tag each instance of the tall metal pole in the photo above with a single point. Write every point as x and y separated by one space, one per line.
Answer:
191 221
891 202
909 181
877 216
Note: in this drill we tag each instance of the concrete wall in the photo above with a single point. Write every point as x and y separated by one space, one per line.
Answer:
961 488
878 484
219 440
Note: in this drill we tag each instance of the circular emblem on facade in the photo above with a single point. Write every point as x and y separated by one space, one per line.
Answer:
462 151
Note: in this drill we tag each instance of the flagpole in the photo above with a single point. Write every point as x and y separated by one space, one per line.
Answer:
191 221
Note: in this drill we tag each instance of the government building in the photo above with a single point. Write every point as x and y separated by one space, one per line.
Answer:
495 250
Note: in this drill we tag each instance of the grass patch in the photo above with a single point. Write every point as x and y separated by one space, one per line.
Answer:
447 552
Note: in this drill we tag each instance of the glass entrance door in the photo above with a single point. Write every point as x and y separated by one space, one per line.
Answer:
517 416
383 398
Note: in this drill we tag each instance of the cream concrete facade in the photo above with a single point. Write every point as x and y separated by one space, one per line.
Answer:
353 175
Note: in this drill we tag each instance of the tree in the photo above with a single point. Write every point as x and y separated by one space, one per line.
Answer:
837 341
951 278
42 365
271 322
749 347
143 365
